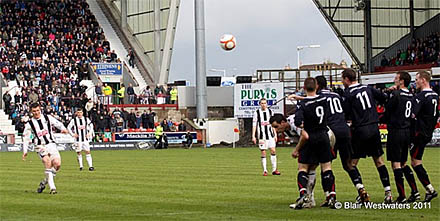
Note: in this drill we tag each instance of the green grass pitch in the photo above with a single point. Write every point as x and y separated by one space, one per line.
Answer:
196 184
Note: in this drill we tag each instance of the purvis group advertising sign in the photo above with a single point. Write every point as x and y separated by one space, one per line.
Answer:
247 98
107 68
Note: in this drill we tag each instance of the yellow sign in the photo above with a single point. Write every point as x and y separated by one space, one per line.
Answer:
383 135
334 83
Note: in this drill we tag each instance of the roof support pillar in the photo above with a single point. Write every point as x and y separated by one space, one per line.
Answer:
411 18
368 41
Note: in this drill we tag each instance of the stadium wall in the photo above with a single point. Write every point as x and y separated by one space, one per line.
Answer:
216 96
388 77
226 129
383 78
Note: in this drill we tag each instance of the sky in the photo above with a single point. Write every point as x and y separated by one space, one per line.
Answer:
267 34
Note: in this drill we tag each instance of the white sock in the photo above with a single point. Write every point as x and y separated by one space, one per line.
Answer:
45 179
311 182
312 198
54 171
359 186
49 177
430 188
263 162
89 160
273 159
80 161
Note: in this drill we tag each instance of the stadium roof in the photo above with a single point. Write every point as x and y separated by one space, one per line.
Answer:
142 24
374 24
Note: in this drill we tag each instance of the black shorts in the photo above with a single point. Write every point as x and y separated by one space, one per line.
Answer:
366 141
343 145
343 142
341 131
398 142
418 145
316 150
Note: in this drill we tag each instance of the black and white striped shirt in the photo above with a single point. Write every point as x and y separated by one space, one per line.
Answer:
261 122
40 130
81 126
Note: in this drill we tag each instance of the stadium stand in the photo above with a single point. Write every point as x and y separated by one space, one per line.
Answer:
45 50
46 46
420 54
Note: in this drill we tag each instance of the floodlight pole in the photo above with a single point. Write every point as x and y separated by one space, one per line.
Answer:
201 95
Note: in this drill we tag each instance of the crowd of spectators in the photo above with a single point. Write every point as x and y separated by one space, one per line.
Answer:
158 95
420 51
103 120
46 47
120 120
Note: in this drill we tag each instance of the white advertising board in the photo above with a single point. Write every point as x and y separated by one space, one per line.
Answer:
247 97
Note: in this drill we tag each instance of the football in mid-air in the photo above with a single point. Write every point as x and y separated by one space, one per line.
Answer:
228 42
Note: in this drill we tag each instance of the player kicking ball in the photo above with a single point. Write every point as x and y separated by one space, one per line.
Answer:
39 131
81 128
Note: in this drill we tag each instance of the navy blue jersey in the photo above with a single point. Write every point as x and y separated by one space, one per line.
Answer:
426 111
336 118
360 104
312 112
398 110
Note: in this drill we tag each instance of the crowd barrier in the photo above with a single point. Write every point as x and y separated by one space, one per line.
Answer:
111 141
93 146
